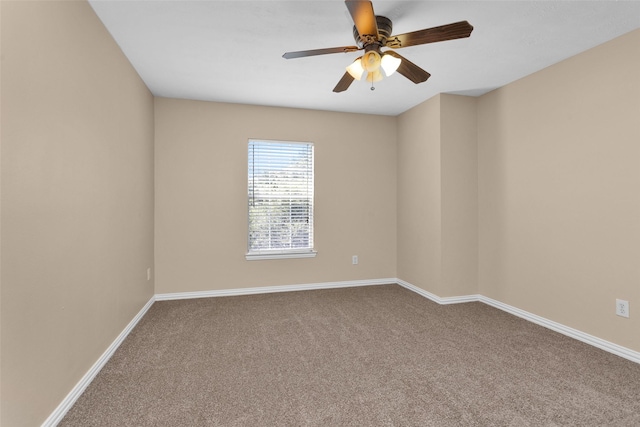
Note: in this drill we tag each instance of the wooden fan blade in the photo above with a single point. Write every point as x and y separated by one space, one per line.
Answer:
409 69
344 83
304 53
363 17
457 30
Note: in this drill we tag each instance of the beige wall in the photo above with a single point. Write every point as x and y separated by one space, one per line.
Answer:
438 197
0 216
459 195
559 180
201 195
419 196
77 201
529 194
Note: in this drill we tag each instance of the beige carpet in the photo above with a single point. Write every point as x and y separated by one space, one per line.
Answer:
368 356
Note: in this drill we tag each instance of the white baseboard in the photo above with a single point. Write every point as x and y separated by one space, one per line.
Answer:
79 388
272 289
610 347
435 298
66 404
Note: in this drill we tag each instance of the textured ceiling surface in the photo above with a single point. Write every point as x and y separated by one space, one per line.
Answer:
231 51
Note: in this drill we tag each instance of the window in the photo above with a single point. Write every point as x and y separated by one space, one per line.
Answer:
280 199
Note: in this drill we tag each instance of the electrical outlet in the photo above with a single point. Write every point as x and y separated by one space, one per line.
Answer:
354 259
148 273
622 308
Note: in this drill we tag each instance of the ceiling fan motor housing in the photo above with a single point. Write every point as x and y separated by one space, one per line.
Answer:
384 32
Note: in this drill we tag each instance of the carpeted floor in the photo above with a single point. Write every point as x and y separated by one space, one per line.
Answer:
367 356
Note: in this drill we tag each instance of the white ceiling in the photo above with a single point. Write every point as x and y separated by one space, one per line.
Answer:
231 51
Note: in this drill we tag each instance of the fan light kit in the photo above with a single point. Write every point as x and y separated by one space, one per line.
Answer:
371 62
371 33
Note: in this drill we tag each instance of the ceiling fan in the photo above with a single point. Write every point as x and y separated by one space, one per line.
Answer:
371 33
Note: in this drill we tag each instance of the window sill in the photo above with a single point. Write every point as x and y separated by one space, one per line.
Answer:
280 255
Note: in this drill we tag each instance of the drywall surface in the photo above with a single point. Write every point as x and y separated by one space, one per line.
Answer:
559 206
0 217
438 197
77 201
459 195
201 195
419 196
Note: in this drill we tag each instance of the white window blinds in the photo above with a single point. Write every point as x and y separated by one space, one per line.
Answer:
280 197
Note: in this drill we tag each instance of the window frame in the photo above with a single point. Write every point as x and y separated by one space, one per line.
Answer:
266 254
